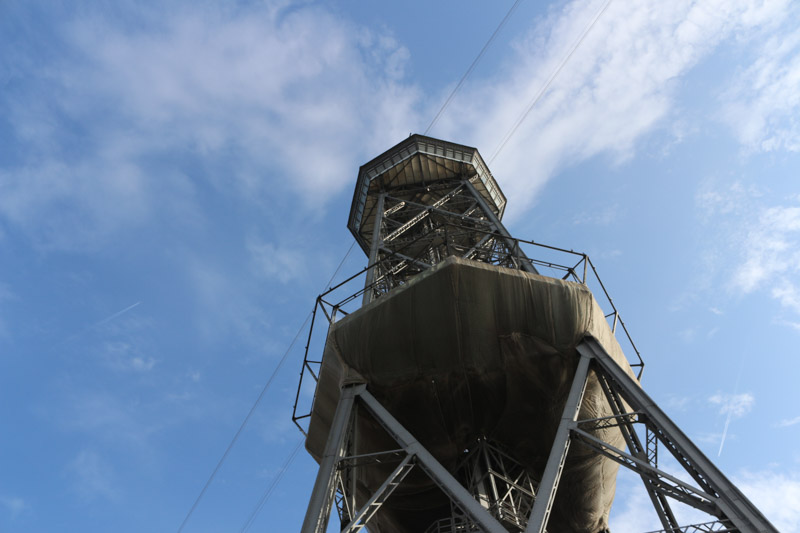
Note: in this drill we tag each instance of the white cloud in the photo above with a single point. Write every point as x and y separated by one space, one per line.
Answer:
126 357
633 511
737 405
763 106
789 422
277 262
279 96
771 256
755 243
678 403
229 303
619 85
777 495
93 476
732 406
14 505
602 217
110 419
771 252
265 99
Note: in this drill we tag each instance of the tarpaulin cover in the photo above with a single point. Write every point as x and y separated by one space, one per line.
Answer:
465 350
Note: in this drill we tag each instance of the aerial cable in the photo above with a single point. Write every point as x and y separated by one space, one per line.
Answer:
256 403
546 86
244 423
472 66
271 487
330 281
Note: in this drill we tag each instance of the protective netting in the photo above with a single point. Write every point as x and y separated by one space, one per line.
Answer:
468 350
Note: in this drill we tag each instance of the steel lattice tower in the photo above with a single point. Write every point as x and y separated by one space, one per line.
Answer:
469 388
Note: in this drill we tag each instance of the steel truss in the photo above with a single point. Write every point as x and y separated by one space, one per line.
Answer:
490 492
712 492
420 226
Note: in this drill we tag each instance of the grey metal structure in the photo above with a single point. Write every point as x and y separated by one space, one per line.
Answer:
425 200
417 204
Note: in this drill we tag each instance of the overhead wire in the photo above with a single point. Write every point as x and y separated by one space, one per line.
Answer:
243 425
268 491
502 144
546 86
265 497
256 403
473 65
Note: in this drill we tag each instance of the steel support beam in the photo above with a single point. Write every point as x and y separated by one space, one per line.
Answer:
376 500
658 499
319 505
513 245
438 473
558 452
730 500
373 254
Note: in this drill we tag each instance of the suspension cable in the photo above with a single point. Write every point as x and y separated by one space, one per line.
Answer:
256 403
472 66
546 86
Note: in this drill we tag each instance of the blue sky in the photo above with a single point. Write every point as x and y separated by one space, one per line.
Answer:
175 180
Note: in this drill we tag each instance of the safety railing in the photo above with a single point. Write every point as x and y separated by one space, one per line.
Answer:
551 261
717 526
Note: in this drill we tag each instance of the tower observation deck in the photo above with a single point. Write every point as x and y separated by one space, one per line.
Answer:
479 387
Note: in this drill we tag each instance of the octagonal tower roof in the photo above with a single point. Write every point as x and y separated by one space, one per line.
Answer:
418 161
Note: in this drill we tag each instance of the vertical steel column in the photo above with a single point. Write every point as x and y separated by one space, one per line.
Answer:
543 503
319 505
374 247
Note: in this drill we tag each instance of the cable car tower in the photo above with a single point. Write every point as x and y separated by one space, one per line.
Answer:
478 389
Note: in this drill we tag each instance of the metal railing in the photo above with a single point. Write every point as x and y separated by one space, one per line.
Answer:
580 270
717 526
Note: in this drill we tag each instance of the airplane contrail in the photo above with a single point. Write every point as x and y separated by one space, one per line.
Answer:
730 411
115 315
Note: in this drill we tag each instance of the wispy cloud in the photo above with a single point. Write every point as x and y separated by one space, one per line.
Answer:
93 476
283 263
620 85
756 243
771 257
737 405
14 505
125 356
771 253
633 511
266 98
732 406
604 216
787 422
111 419
278 97
762 107
776 494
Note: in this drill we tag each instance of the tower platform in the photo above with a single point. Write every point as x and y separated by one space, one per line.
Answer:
467 350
